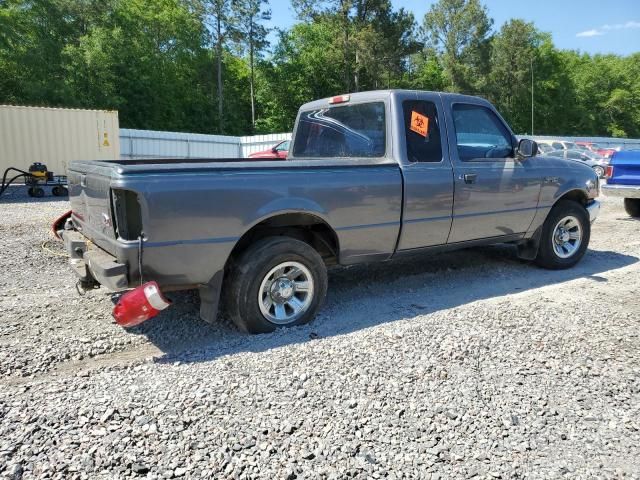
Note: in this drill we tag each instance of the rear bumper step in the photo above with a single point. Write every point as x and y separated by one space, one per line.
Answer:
90 262
621 191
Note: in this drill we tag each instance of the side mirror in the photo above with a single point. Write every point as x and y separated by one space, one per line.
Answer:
274 150
526 148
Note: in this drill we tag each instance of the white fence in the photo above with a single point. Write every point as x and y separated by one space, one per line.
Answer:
606 142
151 144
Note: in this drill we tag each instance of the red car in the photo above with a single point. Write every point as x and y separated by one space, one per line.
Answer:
595 148
280 150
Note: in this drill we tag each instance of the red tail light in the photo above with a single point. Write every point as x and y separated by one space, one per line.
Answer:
608 173
139 305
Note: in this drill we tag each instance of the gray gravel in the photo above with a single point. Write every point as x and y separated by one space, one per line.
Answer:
465 365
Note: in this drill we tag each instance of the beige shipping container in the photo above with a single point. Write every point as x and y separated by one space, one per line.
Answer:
56 136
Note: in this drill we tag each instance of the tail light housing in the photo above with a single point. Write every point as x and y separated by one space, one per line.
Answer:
608 173
127 214
139 305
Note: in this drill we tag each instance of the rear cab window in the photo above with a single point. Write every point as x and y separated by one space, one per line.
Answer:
343 131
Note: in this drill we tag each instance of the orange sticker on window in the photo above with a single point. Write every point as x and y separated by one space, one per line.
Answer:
419 123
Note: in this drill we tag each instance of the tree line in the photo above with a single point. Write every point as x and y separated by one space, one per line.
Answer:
207 66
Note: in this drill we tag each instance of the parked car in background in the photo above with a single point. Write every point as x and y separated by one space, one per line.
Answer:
596 148
544 148
559 144
280 150
593 160
623 180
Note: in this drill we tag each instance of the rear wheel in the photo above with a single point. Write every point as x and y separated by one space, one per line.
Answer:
632 207
565 236
277 282
38 192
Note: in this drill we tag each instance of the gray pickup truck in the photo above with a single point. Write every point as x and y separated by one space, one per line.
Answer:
370 176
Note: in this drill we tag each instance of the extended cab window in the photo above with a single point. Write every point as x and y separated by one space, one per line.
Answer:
480 133
342 131
422 132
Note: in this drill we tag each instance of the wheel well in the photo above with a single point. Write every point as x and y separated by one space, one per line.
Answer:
302 226
575 195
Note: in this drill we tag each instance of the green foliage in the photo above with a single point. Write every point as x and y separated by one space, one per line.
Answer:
459 30
203 66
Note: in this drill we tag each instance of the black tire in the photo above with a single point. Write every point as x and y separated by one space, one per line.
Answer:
632 207
30 192
58 191
38 192
252 267
547 256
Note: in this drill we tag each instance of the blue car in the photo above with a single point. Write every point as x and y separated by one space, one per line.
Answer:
623 180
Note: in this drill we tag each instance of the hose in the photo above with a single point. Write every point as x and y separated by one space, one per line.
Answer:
5 184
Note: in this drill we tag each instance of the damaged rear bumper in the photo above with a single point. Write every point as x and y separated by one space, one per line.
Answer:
91 263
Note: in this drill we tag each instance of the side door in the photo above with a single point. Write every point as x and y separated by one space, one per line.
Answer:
495 193
426 170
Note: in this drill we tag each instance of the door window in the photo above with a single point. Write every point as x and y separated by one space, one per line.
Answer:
480 133
422 132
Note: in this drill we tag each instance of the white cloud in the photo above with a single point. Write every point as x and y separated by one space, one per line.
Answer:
596 32
589 33
621 26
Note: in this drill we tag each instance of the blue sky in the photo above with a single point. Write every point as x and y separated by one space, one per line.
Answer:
592 26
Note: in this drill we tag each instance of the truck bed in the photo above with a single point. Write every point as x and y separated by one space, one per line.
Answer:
194 211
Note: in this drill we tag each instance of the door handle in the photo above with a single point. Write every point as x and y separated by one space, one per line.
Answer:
470 177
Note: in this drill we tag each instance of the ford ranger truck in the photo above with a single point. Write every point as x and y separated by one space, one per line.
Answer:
370 176
623 180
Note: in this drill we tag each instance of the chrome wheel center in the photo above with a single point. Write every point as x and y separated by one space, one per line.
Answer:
567 237
286 293
282 289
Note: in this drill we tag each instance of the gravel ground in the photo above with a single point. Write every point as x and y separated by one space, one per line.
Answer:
464 365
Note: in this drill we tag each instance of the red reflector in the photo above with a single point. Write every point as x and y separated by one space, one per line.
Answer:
58 224
608 172
140 304
339 99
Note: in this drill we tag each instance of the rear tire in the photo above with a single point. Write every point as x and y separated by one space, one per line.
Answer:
38 192
565 236
632 207
276 282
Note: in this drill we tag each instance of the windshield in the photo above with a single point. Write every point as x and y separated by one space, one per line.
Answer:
343 131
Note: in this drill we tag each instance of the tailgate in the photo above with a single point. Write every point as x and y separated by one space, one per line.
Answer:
626 168
90 198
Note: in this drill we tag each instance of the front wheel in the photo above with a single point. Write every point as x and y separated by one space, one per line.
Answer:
277 282
632 207
565 236
599 171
